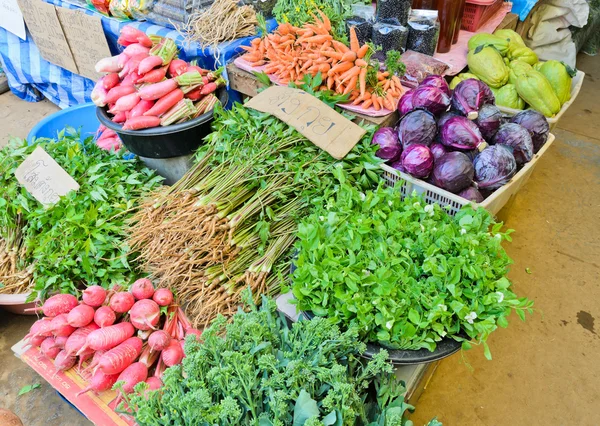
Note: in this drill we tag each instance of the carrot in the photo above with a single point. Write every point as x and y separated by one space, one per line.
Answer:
362 80
352 72
360 63
340 68
349 56
351 85
330 81
362 51
333 54
326 21
318 39
119 358
341 47
324 68
376 104
354 45
367 104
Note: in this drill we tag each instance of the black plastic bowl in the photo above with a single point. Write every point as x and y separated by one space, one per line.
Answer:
176 140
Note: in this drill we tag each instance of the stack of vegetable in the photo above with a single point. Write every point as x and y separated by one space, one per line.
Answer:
108 139
458 140
404 273
79 240
129 336
139 94
257 370
290 53
518 80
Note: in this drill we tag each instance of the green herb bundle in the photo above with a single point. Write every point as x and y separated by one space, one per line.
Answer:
81 240
405 273
257 370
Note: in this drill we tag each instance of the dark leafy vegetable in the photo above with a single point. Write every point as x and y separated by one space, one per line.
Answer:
494 167
471 194
470 95
537 125
417 127
431 98
489 120
462 133
438 150
453 172
519 139
389 145
437 81
417 160
405 105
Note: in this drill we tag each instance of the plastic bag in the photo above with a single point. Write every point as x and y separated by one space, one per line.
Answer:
119 9
363 28
394 9
389 34
419 67
423 31
139 9
101 6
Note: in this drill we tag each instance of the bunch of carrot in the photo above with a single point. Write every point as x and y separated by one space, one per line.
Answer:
291 52
147 85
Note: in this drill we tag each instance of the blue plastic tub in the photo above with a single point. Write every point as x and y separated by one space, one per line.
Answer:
80 117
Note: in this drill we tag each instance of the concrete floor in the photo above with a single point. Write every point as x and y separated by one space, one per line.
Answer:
544 372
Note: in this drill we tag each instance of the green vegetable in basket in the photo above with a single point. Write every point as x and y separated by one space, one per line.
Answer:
508 97
560 77
487 63
461 77
511 36
536 90
516 69
486 39
522 53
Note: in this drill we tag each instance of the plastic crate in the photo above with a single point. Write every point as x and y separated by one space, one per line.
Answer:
576 84
452 202
477 12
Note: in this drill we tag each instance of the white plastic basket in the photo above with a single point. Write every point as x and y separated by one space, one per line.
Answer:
576 84
453 202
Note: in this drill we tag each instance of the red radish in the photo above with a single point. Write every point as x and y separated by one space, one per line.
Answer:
119 358
37 341
154 383
108 337
120 117
95 295
149 63
173 354
154 76
107 65
118 92
135 49
109 144
59 342
130 34
163 297
99 93
141 122
195 68
121 302
145 314
100 382
144 334
57 304
40 328
122 42
131 79
61 326
107 133
132 375
159 340
110 80
142 289
208 88
177 67
64 361
81 316
123 58
95 360
195 94
104 316
77 340
132 64
126 103
48 348
148 357
141 108
193 331
85 356
165 103
158 90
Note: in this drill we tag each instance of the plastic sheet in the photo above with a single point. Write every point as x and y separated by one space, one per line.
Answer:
523 7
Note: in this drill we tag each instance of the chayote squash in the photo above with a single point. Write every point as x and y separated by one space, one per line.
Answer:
559 77
535 89
487 64
486 39
461 77
510 35
508 97
522 53
517 68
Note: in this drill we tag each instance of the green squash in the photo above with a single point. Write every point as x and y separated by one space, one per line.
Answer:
508 97
510 35
487 64
486 39
535 89
559 77
461 77
522 53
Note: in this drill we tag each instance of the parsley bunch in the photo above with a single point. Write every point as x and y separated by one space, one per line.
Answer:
80 240
405 273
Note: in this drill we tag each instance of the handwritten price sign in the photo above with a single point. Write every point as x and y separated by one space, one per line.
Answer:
321 124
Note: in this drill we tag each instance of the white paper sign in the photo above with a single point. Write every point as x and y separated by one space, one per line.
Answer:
11 18
43 178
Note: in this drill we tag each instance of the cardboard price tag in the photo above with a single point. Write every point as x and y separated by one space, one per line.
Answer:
43 178
321 124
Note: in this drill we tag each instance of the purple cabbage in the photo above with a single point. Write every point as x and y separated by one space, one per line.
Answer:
438 150
445 117
494 167
431 98
537 125
437 81
417 160
405 105
417 127
397 164
389 145
470 95
471 194
489 120
461 133
453 172
519 139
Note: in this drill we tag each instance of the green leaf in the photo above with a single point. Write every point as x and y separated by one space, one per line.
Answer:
528 270
262 77
28 388
305 408
330 419
486 351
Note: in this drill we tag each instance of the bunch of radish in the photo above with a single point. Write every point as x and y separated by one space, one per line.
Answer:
129 336
107 139
148 86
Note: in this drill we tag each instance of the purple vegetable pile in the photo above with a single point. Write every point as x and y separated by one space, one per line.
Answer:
459 141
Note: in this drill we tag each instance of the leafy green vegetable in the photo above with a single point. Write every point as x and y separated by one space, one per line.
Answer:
257 370
81 239
394 64
405 273
28 388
